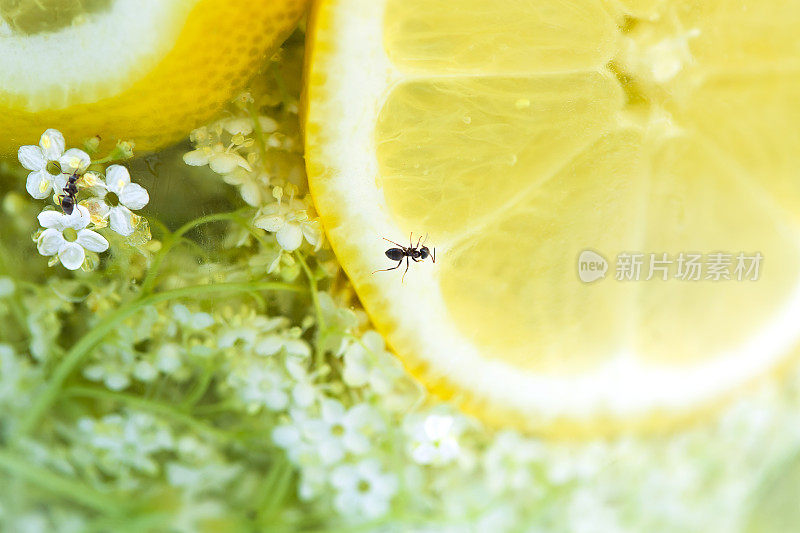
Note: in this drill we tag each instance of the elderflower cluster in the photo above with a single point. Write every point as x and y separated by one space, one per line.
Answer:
253 154
225 384
71 237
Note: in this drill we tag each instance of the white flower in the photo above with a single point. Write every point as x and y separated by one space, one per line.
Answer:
252 186
368 363
244 125
193 321
326 439
346 431
67 237
258 385
363 489
509 463
313 482
290 223
304 393
6 286
126 441
50 150
114 367
220 159
273 343
434 440
245 330
299 438
117 198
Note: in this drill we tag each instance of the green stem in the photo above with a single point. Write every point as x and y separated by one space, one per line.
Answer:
132 523
216 217
82 348
214 408
312 283
17 309
199 389
170 240
262 147
64 487
279 81
275 490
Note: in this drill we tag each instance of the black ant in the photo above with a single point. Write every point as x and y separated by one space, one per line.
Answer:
416 253
68 200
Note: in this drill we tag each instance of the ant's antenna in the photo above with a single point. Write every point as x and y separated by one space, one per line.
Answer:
385 239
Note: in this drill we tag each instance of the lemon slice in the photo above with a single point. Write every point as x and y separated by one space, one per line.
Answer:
141 70
518 135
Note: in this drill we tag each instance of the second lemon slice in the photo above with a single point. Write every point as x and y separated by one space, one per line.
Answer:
519 135
148 71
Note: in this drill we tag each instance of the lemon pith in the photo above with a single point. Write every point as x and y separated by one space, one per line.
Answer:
597 127
179 63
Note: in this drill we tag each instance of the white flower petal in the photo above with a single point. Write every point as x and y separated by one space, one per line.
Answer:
94 182
97 207
290 237
286 436
267 124
39 184
270 222
355 375
74 160
59 182
238 125
251 193
134 196
121 220
71 255
332 411
31 157
50 241
117 178
311 232
52 143
222 163
297 347
269 345
52 219
92 241
196 158
344 477
79 218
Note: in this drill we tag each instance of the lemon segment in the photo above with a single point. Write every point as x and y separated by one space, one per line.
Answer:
617 127
147 71
520 37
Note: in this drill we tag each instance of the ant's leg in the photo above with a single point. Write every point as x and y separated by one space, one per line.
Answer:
400 245
406 270
387 269
418 241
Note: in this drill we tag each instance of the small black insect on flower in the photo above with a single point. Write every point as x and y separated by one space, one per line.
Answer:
416 253
68 200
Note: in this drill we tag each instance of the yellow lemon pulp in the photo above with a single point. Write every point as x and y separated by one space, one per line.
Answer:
519 134
142 70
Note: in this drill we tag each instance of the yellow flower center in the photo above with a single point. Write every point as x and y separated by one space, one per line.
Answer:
53 168
70 235
112 199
